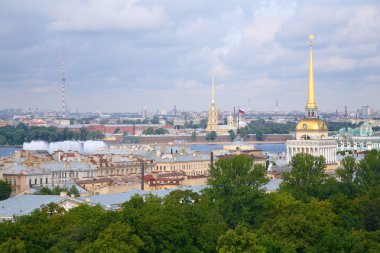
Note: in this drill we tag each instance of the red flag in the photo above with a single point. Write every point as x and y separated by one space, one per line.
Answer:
241 111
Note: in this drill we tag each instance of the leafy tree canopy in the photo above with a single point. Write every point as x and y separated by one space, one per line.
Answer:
211 136
5 190
228 179
306 176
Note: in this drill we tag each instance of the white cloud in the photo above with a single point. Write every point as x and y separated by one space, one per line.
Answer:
99 15
334 64
135 52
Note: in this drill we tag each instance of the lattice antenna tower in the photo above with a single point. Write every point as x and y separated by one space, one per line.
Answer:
63 87
277 109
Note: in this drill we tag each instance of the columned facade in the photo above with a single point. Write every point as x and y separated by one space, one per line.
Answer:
325 148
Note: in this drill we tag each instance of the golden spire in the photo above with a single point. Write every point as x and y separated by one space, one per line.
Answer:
212 88
311 99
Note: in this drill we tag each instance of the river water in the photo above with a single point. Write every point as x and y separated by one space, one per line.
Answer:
273 148
7 151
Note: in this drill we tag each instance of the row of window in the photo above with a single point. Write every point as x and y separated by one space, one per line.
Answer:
119 171
10 181
70 174
197 173
352 145
36 181
183 167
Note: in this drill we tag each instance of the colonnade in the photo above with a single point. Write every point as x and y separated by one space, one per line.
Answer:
329 153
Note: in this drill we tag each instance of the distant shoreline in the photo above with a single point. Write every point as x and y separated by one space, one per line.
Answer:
10 146
230 142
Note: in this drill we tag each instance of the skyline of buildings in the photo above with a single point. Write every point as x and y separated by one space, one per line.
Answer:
111 138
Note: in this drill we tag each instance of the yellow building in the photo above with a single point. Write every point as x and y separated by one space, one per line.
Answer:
311 132
212 124
191 165
94 184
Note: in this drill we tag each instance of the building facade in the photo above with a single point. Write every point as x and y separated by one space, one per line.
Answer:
356 140
190 165
25 177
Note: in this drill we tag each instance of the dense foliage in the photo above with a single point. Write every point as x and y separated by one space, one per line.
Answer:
133 121
17 135
72 191
211 136
202 124
5 190
152 131
335 126
261 127
232 135
312 212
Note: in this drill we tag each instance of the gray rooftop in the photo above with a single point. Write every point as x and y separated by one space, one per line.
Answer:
273 185
45 168
25 204
181 158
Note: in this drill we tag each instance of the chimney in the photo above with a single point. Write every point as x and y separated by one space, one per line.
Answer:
142 164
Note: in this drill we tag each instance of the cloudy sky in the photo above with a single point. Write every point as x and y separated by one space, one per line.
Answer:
122 55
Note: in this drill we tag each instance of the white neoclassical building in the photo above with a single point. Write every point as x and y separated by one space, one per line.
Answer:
311 132
325 148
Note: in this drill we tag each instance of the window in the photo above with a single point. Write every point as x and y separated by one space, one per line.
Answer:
46 181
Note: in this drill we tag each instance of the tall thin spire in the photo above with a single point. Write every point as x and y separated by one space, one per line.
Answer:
212 87
213 112
311 106
63 87
311 98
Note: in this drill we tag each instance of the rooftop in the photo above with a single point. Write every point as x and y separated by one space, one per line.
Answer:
25 204
45 168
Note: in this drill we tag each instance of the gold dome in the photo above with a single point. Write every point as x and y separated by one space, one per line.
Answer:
311 125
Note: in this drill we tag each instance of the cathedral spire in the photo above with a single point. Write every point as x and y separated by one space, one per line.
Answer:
311 106
212 123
